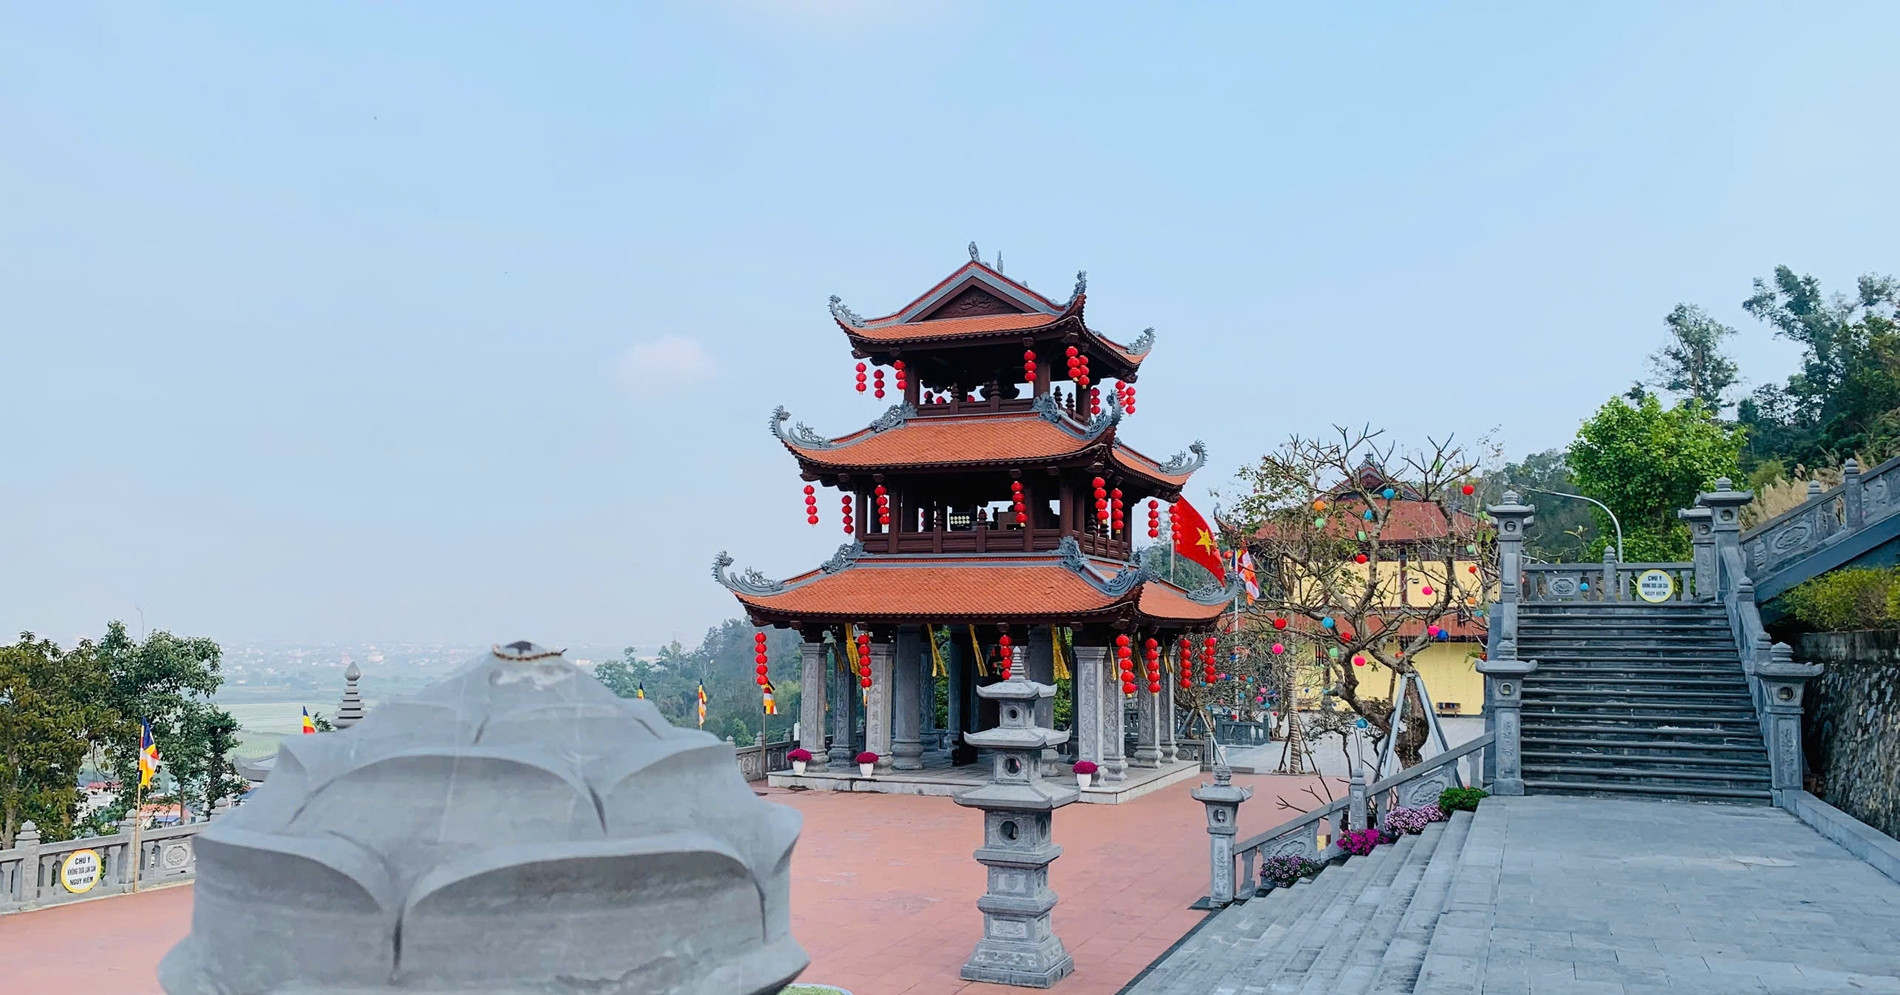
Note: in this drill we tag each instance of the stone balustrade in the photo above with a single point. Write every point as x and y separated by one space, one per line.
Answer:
1825 518
33 874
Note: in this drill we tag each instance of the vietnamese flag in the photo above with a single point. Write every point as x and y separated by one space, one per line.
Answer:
1194 540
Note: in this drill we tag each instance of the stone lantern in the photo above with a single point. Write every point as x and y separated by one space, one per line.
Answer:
1222 801
513 829
1018 946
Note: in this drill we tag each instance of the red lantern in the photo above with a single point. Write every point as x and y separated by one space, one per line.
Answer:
902 380
848 526
1095 401
861 378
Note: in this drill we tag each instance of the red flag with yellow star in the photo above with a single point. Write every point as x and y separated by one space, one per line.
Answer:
1194 540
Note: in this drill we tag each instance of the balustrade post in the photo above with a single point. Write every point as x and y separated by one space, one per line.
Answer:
1702 544
27 841
1783 681
1503 671
1222 800
1356 790
1852 510
1612 585
1725 524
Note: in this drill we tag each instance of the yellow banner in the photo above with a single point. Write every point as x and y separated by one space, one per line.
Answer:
1061 660
977 648
937 669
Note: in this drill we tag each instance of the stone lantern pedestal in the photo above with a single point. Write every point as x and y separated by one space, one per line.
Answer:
1018 946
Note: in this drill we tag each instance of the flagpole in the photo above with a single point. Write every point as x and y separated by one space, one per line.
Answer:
138 814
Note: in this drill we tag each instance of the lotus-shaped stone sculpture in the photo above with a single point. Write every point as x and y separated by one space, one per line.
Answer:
516 828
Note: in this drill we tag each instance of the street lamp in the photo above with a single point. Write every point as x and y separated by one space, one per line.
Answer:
1606 510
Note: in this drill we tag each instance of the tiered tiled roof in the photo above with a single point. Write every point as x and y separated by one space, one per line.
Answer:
902 438
1064 587
978 302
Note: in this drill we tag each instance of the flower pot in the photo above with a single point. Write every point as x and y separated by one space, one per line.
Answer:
864 770
1082 780
798 766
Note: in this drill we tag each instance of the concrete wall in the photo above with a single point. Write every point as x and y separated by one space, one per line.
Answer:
1448 668
1851 723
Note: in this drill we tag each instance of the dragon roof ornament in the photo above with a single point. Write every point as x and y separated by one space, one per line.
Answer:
1048 407
1143 342
1102 423
1081 287
751 582
1124 581
801 436
894 417
843 314
975 256
846 555
1217 593
1183 463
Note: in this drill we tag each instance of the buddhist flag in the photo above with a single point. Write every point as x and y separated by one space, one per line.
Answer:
1249 577
1194 540
771 701
148 754
702 706
308 726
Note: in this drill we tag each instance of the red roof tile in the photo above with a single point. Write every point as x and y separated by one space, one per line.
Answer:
968 440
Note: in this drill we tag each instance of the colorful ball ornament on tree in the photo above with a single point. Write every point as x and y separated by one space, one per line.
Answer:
1387 493
1278 649
1279 623
1359 558
1468 489
1327 621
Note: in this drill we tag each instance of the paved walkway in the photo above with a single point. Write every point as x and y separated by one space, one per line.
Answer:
883 897
1610 896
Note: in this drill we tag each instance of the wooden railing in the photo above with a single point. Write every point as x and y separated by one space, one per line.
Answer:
984 539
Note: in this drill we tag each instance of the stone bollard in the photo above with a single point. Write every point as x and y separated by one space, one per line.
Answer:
27 841
1018 946
514 828
1783 682
1222 804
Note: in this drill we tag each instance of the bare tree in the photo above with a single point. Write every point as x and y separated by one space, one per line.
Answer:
1335 588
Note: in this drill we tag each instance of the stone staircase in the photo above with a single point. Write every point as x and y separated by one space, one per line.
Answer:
1360 926
1638 699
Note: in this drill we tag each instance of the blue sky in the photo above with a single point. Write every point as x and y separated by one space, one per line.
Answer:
463 322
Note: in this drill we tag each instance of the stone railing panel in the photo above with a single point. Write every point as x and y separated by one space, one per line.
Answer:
1824 518
1563 582
31 878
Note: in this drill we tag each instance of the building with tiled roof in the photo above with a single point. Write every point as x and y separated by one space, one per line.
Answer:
997 501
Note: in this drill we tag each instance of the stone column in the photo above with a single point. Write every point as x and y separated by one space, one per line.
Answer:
1853 510
1091 668
877 709
844 708
1783 682
1725 525
1114 759
1222 801
907 747
1039 665
1147 725
1170 751
1702 550
811 704
1612 588
1503 671
27 842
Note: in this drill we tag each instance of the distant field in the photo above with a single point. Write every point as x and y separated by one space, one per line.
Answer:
263 723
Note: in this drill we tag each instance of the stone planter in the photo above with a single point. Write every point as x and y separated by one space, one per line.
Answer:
1082 780
798 766
864 770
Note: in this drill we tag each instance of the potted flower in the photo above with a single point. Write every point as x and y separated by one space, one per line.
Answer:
1084 772
799 758
866 761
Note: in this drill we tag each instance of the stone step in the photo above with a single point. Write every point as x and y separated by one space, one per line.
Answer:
1678 742
1670 663
1687 709
1458 943
1635 682
1739 768
1399 954
1270 958
1534 688
1260 922
1375 915
1382 865
1557 785
1561 624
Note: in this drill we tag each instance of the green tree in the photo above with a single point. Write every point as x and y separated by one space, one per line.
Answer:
1692 364
1846 396
48 713
1566 528
169 680
1646 462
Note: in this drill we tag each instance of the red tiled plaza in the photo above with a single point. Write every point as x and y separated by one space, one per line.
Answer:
883 897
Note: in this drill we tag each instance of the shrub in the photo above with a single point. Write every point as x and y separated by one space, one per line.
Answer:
799 755
1460 800
867 757
1283 870
1412 821
1855 598
1085 767
1360 843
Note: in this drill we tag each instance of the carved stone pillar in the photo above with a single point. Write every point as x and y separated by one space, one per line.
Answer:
1853 499
844 709
877 708
811 705
1503 671
1725 522
907 747
1782 682
1702 549
1170 750
1091 670
1147 725
1114 754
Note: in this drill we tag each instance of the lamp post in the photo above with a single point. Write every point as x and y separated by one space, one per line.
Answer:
1606 510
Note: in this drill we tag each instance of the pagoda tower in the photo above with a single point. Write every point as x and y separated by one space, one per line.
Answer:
997 502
